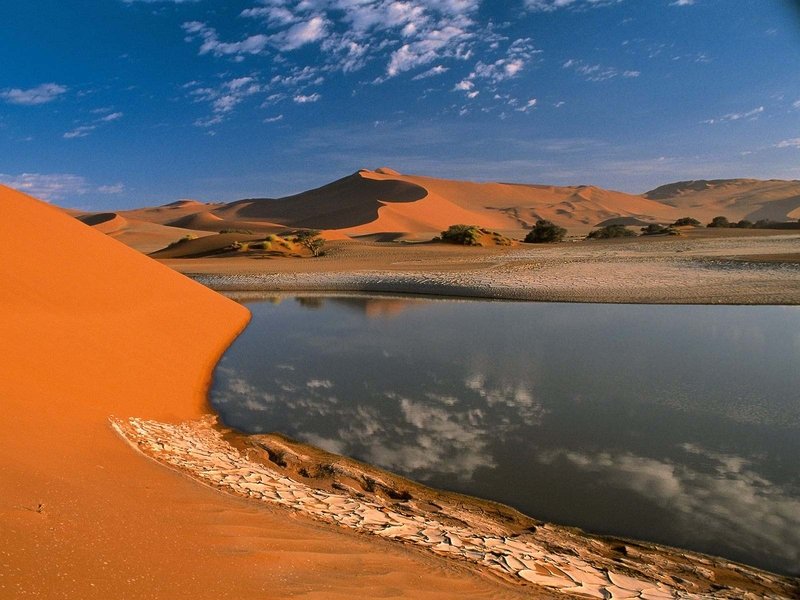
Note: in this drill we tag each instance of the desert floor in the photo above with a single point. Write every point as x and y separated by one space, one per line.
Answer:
699 267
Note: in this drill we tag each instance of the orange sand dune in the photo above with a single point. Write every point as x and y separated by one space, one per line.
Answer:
91 328
382 201
384 204
736 199
105 222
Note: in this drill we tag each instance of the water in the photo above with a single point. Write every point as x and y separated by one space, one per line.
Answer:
675 424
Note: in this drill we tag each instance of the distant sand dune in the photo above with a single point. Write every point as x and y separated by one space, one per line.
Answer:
387 205
736 199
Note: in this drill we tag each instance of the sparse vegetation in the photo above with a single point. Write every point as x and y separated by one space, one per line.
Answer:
472 235
545 232
242 231
464 235
719 222
656 229
187 238
687 222
744 224
310 239
610 232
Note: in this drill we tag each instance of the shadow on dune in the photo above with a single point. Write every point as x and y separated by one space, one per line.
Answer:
348 202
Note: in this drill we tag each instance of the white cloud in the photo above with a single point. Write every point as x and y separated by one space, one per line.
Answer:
751 115
300 34
112 117
433 72
56 186
597 72
225 98
682 3
79 132
274 119
552 5
796 104
790 143
41 94
303 99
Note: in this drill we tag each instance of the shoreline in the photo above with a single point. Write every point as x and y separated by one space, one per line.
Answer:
757 270
504 286
490 537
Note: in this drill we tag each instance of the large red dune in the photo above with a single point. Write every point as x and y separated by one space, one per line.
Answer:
385 204
89 329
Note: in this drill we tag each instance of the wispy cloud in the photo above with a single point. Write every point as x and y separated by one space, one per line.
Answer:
598 72
553 5
749 115
41 94
106 115
303 99
790 143
224 97
56 186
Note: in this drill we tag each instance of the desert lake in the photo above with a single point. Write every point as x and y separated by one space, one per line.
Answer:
673 424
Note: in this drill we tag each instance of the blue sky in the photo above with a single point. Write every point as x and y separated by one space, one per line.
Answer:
122 103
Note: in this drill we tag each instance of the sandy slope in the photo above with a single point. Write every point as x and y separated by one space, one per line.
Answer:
736 199
386 205
90 329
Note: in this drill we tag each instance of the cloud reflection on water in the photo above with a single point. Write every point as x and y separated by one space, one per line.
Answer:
727 495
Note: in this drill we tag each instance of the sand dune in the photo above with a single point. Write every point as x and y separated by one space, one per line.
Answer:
750 199
104 222
384 205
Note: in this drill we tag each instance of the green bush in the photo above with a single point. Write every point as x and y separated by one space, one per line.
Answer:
656 229
609 232
311 240
465 235
545 232
720 222
265 245
686 221
243 231
187 238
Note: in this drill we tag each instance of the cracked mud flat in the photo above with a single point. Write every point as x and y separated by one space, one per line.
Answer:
490 537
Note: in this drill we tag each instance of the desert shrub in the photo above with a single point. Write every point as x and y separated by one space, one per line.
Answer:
243 231
311 240
465 235
656 229
609 232
187 238
744 224
719 222
686 221
265 245
271 238
545 232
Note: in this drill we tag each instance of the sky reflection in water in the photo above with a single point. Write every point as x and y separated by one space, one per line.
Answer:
676 424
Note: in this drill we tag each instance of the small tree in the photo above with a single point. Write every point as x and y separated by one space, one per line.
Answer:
466 235
311 240
687 221
545 232
719 222
656 229
610 231
744 224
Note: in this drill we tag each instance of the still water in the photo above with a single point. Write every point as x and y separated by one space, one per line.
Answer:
674 424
